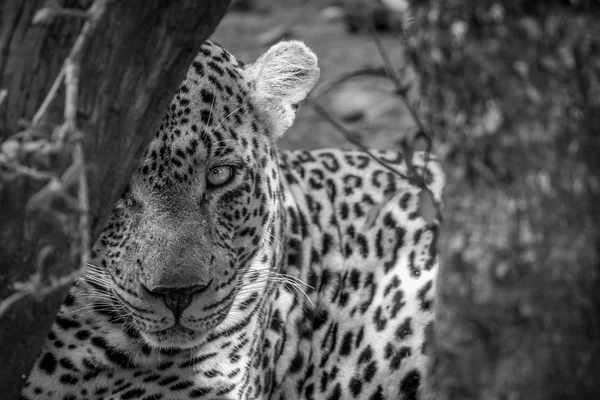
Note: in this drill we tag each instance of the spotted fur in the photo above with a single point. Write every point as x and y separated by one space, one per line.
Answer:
230 270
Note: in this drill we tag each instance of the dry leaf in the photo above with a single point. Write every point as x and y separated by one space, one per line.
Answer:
398 6
427 207
372 214
44 16
11 149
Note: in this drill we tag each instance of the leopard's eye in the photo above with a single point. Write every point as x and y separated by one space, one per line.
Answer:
220 175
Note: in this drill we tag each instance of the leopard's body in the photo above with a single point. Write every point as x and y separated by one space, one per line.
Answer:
195 288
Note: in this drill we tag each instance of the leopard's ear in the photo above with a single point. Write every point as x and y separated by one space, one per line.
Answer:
282 77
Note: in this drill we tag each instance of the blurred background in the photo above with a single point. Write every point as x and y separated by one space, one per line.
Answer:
509 92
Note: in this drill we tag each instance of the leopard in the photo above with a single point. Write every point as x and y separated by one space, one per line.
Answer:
230 269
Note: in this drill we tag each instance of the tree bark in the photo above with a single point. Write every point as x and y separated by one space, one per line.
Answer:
130 69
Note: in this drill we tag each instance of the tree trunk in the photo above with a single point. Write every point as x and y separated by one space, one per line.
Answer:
131 67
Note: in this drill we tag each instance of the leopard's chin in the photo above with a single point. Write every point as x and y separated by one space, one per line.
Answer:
180 335
175 337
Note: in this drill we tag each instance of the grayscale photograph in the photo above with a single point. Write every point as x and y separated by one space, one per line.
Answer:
299 200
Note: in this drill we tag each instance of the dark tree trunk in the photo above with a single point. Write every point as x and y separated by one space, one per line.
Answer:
130 69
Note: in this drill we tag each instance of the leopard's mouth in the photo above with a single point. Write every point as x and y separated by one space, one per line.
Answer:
179 336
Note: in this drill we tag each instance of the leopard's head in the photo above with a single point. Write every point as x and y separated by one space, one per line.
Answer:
205 197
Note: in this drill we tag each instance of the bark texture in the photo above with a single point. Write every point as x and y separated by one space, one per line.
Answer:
130 69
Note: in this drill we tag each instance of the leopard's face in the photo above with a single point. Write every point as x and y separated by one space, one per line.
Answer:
174 256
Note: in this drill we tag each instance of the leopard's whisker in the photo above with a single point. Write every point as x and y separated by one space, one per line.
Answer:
226 117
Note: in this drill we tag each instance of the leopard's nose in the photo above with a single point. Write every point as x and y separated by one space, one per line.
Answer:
178 299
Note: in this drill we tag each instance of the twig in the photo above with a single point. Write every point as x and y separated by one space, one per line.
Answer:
84 204
93 14
351 136
72 68
280 31
69 12
401 93
49 97
28 171
328 86
70 74
3 93
71 94
389 72
42 198
400 88
486 173
413 176
38 291
389 66
379 109
72 89
47 14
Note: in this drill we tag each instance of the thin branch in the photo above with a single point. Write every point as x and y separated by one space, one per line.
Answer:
71 94
485 172
72 91
40 292
49 97
350 136
328 86
72 68
389 72
70 74
93 15
401 93
28 171
84 204
285 28
354 137
42 198
400 88
3 93
389 66
72 13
